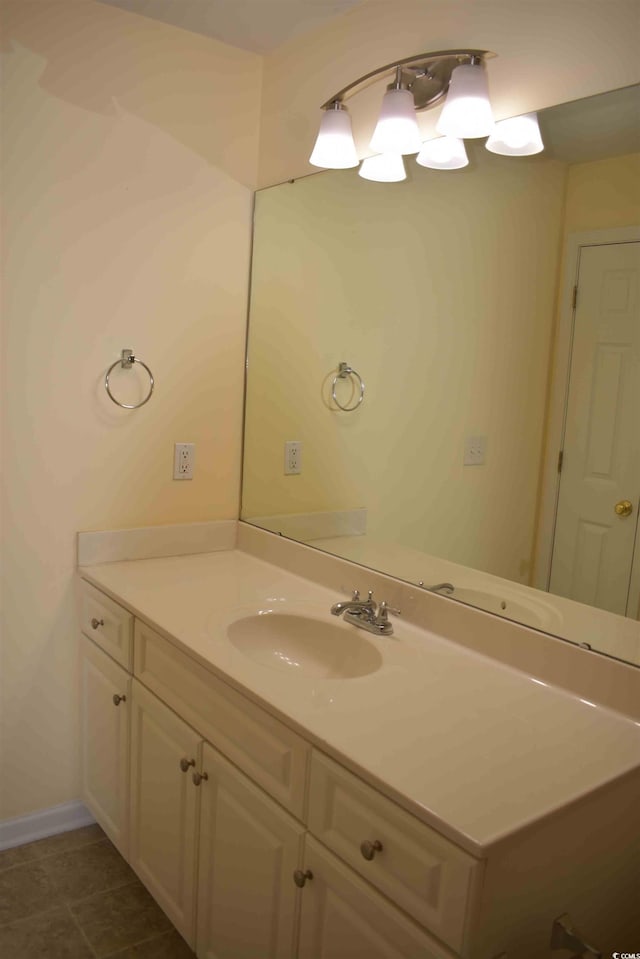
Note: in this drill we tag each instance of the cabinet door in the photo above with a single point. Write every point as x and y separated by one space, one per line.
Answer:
164 807
106 693
344 918
249 850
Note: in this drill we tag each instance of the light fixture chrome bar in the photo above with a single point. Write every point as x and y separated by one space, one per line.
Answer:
426 75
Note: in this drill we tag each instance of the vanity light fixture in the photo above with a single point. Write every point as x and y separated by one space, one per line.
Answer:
516 137
334 148
443 153
384 168
467 111
418 82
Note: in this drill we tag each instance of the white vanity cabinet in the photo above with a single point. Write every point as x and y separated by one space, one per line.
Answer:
249 850
106 701
165 752
222 803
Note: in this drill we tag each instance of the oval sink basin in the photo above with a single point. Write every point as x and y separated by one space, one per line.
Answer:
304 645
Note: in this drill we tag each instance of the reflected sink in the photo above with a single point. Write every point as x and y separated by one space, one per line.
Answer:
310 647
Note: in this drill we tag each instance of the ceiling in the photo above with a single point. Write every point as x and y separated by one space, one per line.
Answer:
256 25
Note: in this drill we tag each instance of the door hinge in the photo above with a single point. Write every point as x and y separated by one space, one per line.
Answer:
574 298
560 459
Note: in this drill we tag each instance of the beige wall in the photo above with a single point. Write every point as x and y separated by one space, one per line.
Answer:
548 52
440 292
130 150
603 195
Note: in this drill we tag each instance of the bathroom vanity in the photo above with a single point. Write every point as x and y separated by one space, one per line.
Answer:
395 796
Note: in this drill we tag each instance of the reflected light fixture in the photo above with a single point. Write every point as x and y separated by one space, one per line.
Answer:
383 168
516 137
418 82
443 153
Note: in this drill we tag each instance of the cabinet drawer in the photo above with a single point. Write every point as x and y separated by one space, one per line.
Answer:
107 624
425 874
264 748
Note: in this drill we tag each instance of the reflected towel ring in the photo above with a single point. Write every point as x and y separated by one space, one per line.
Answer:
126 361
344 370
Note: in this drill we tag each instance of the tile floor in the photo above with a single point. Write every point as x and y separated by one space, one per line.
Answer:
73 896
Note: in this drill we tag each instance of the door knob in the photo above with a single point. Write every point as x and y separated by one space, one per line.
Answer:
623 508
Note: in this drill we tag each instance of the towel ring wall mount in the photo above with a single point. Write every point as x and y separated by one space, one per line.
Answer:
344 371
126 361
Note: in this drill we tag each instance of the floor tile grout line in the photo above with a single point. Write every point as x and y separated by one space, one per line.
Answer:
34 915
81 931
141 942
50 855
103 892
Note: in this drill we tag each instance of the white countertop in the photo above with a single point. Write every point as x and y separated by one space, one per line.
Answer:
474 748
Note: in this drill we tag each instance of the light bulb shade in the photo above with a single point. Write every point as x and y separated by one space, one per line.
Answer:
516 137
397 128
384 168
334 148
467 110
443 153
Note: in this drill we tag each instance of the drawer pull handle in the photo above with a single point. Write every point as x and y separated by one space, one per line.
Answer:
96 622
118 699
185 763
369 849
198 777
300 877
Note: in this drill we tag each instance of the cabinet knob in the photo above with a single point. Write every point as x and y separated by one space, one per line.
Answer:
96 622
185 763
300 877
369 849
118 699
198 777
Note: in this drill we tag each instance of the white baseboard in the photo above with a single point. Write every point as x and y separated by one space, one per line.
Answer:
46 822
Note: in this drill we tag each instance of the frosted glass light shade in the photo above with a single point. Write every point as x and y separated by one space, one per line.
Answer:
384 168
334 147
443 153
516 137
397 128
467 110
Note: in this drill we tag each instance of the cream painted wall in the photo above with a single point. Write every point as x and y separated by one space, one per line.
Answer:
440 292
130 151
548 52
603 194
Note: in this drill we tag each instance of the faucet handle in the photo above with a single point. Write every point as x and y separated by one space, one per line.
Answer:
383 612
356 596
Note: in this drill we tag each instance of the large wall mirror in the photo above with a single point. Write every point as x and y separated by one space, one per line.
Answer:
451 297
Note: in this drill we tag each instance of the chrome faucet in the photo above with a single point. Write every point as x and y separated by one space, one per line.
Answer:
355 604
366 614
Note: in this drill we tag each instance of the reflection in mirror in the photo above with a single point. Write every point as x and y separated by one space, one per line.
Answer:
451 297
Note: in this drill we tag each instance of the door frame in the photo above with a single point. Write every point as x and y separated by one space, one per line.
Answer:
562 348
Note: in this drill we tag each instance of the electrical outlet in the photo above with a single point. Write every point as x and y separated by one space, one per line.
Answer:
183 461
292 457
475 449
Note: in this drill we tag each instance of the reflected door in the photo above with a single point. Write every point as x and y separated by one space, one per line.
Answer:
597 517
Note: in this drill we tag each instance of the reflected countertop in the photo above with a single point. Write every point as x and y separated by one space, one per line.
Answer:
474 748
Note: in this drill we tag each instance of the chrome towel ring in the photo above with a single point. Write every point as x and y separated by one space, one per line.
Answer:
344 370
126 361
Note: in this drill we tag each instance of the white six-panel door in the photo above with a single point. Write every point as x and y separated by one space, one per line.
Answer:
593 545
